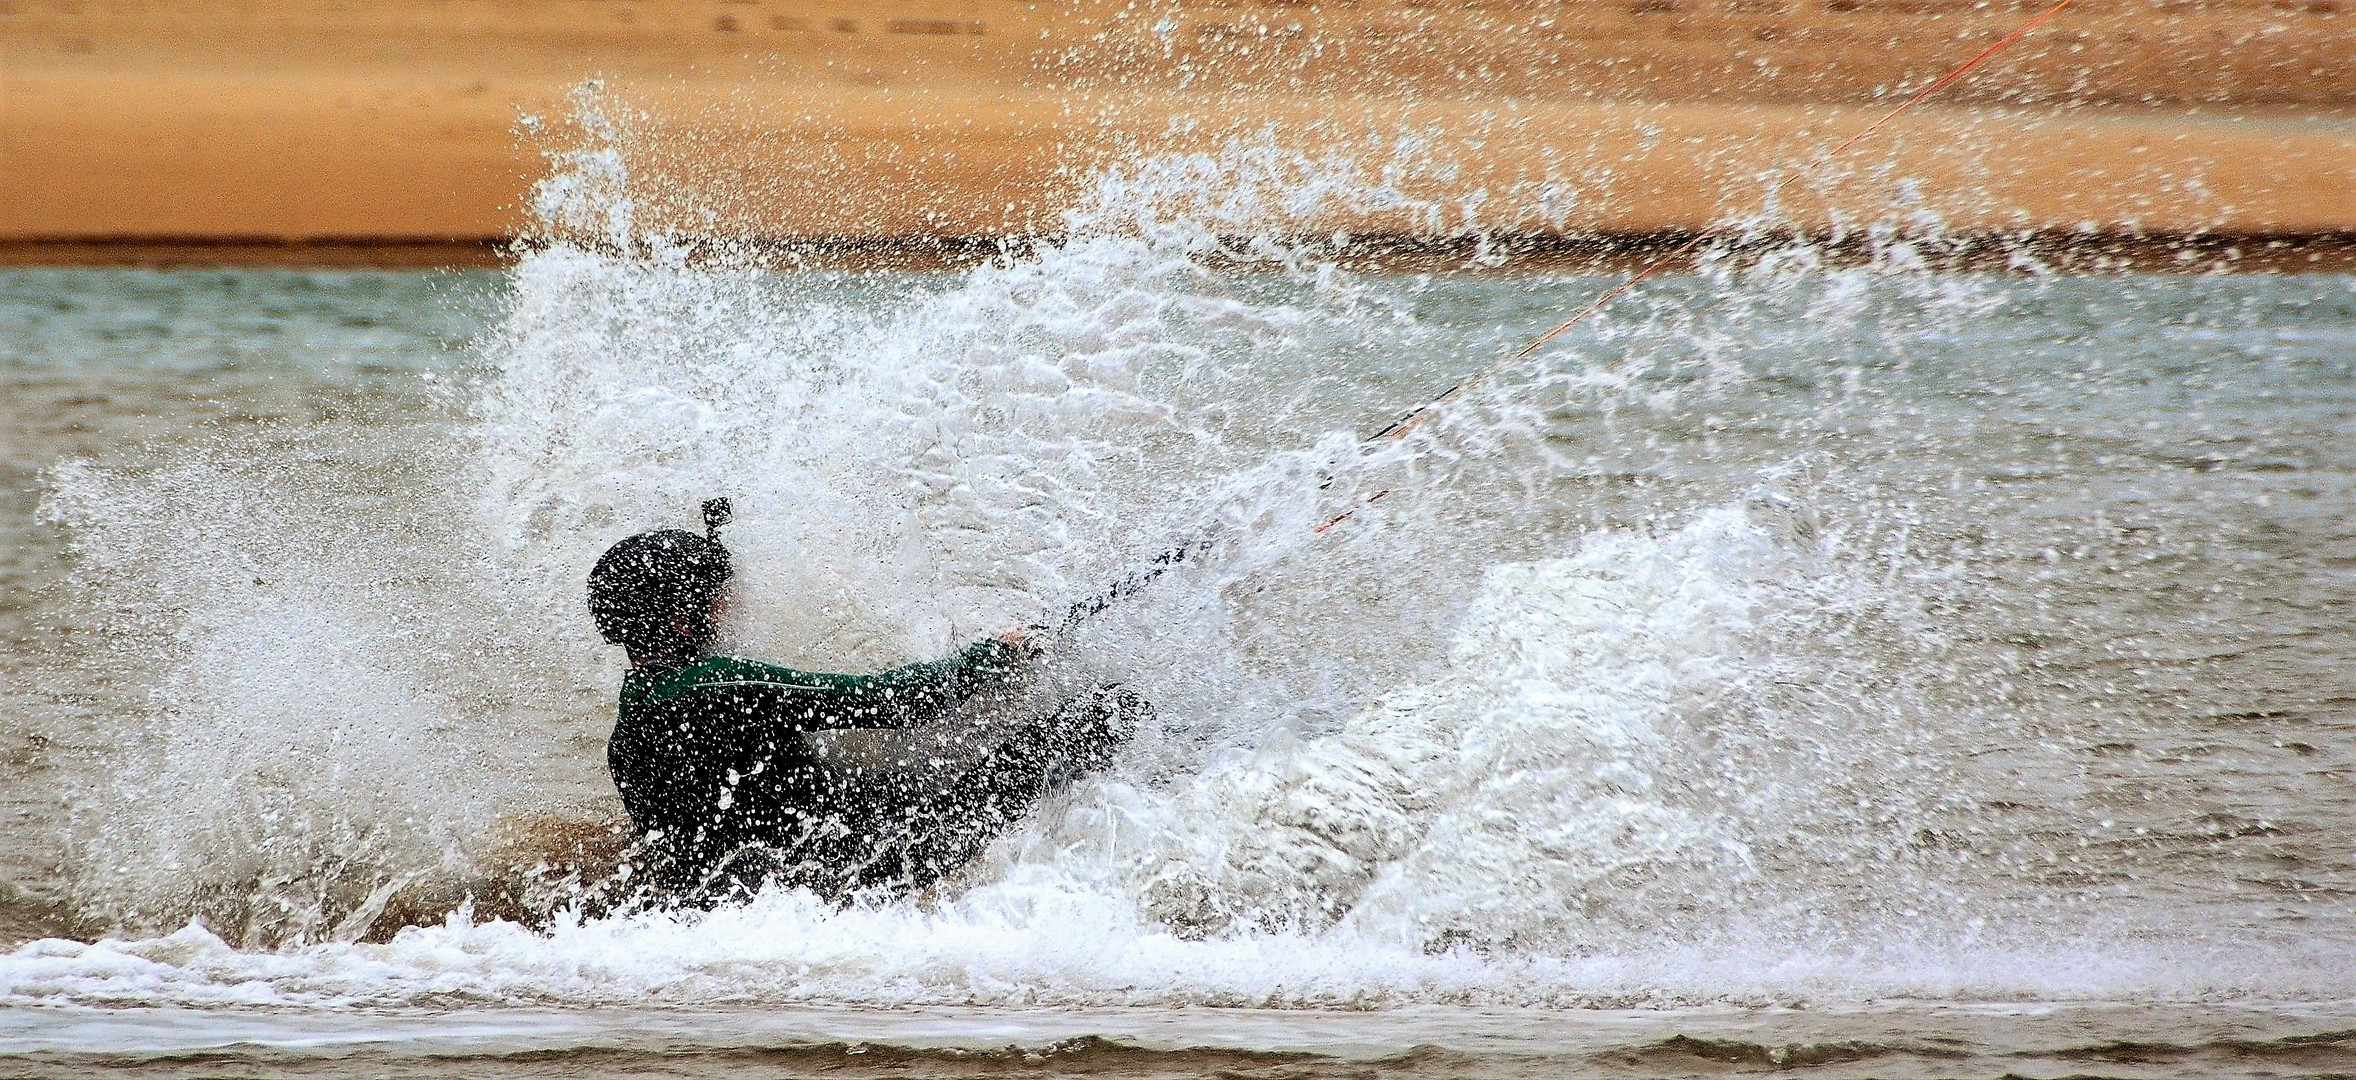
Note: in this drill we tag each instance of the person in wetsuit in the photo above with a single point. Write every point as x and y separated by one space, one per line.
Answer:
709 756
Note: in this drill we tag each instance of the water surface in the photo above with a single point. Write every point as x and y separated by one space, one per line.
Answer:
1802 638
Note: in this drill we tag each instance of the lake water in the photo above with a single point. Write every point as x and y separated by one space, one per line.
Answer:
1858 668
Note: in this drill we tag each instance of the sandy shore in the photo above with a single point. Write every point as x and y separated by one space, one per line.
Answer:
409 127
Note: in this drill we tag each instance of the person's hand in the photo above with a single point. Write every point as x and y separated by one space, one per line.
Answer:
1025 640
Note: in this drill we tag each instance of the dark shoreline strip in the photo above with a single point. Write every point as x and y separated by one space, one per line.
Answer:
1988 1052
2019 252
362 252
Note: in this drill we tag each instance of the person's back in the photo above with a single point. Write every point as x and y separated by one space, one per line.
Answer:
710 757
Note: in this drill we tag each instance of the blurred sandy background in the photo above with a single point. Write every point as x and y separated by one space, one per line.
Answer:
368 126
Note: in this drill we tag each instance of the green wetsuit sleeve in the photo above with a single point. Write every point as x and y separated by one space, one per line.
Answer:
820 701
983 661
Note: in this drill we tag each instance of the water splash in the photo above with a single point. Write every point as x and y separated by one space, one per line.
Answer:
1527 828
1664 636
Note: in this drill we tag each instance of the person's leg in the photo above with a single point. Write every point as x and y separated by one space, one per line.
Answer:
887 830
913 841
817 850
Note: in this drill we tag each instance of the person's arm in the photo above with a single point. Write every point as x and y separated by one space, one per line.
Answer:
906 695
822 701
979 664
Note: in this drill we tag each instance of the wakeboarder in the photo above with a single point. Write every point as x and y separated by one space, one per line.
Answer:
712 758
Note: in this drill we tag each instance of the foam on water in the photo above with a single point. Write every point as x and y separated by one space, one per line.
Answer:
1530 826
1678 734
1527 827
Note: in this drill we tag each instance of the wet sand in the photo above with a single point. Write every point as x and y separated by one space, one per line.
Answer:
296 130
1908 1039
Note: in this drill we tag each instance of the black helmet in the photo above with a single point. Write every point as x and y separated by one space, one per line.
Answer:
645 582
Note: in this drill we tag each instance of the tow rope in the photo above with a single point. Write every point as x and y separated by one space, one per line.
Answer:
1400 427
1176 555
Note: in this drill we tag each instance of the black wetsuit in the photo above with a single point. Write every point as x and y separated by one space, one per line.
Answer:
712 767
